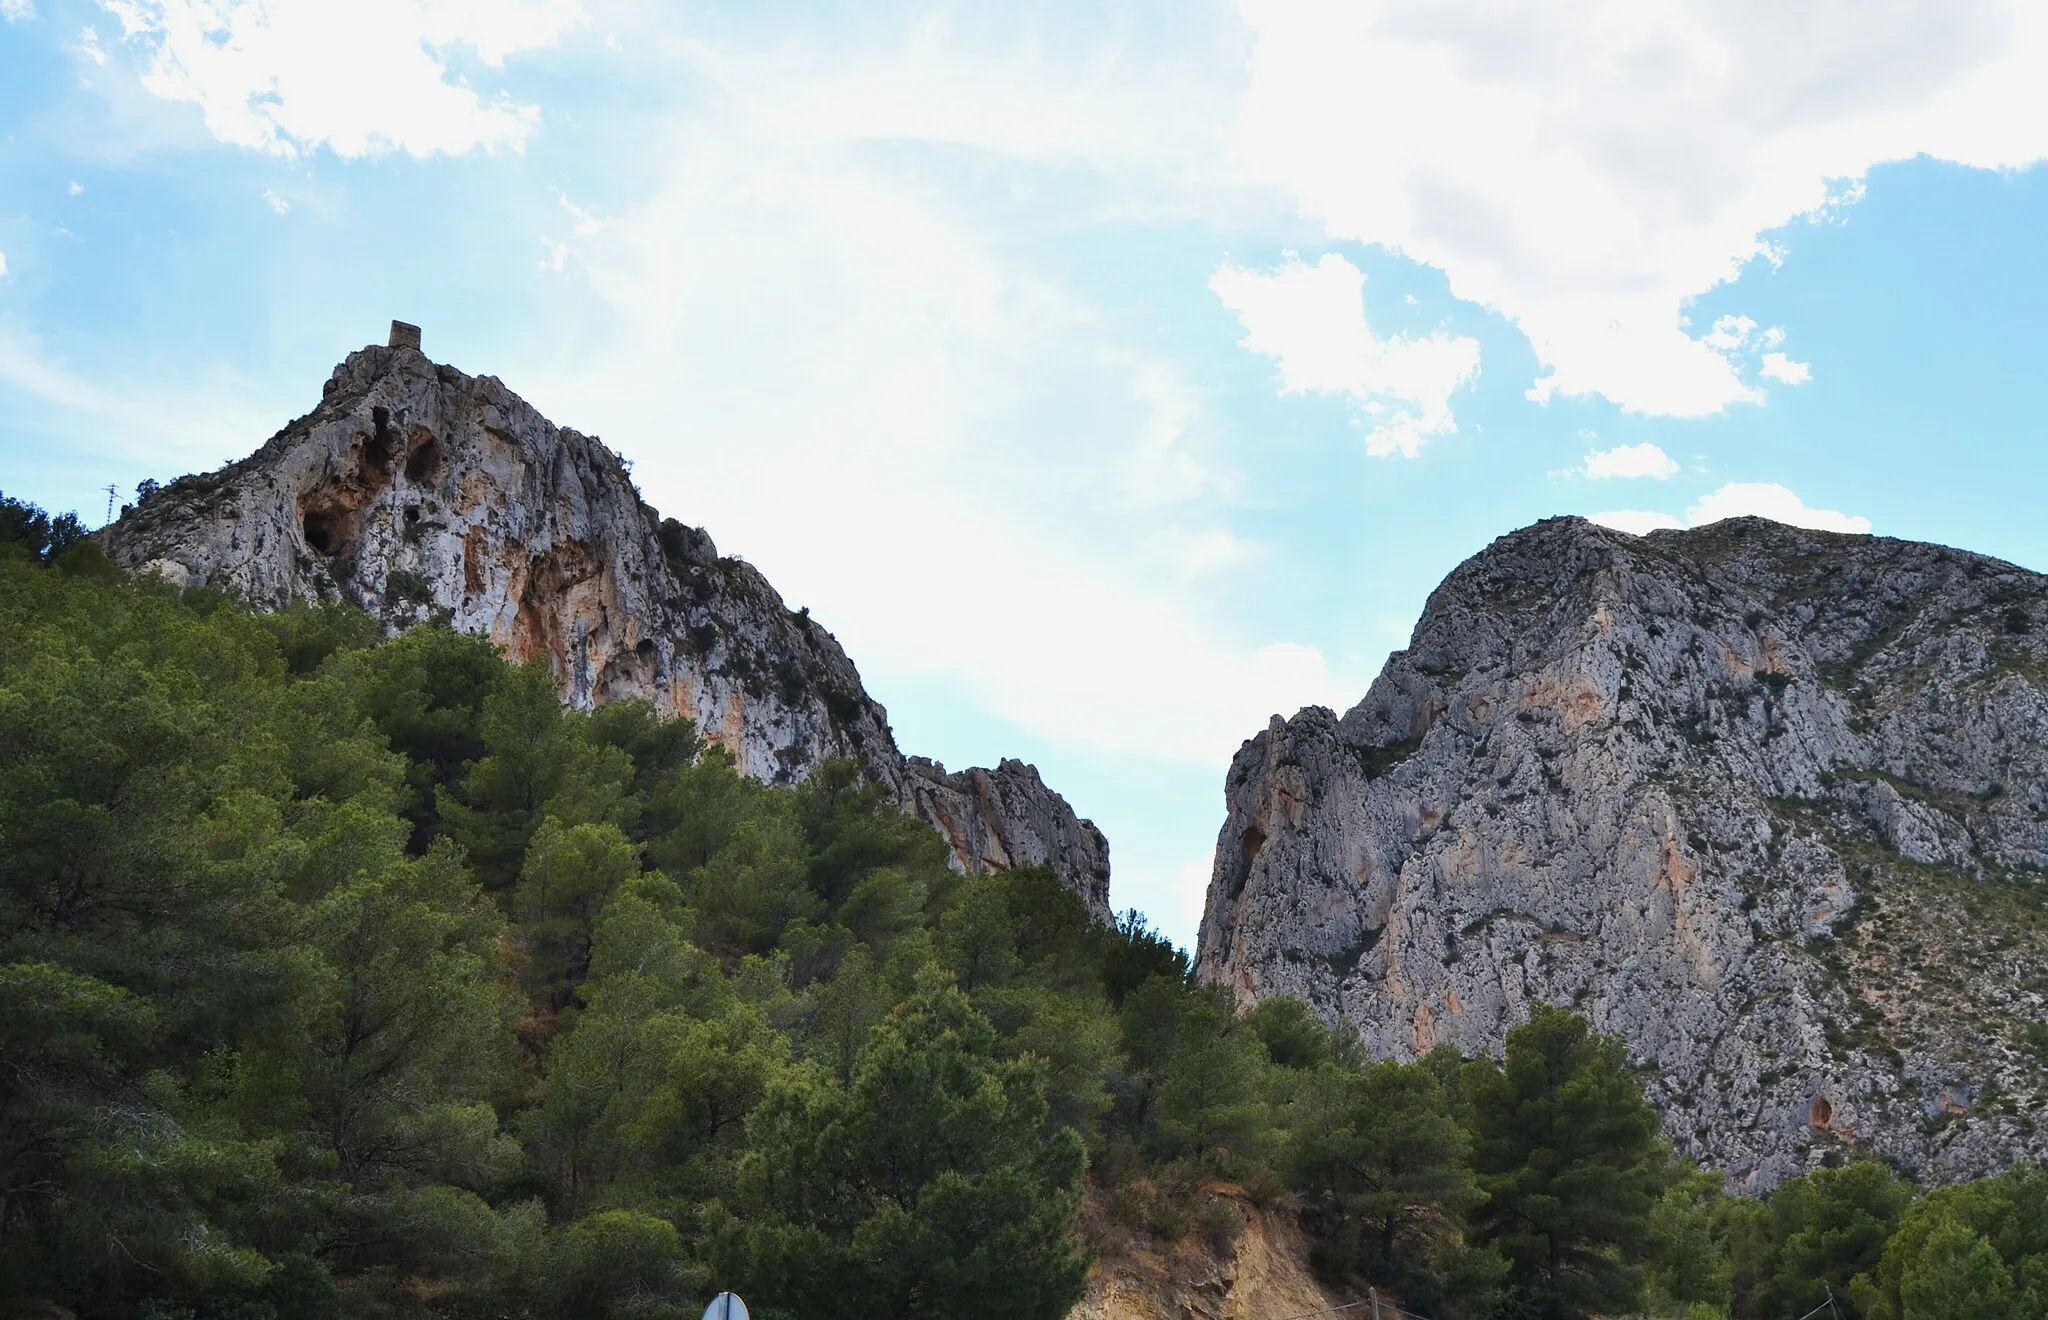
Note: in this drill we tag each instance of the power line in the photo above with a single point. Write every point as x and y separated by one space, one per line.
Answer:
1380 1308
1327 1310
1828 1305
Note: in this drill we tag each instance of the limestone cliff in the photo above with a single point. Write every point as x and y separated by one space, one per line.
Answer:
422 493
1770 804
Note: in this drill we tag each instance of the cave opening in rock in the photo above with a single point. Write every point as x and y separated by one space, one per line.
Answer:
423 464
378 449
330 522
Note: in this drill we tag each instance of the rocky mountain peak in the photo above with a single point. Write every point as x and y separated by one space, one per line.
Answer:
1769 803
421 493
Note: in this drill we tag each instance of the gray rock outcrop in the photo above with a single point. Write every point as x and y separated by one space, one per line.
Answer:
421 493
1770 804
1007 817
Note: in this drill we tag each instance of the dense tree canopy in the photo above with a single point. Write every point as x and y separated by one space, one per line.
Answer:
1806 1244
356 977
351 976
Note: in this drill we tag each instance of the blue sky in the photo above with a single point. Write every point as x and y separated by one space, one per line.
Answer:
1109 376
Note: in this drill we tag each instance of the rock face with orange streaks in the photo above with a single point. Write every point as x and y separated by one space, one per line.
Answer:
421 493
1770 804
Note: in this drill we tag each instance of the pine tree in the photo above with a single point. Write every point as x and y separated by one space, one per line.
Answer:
1976 1248
934 1185
1567 1156
1810 1239
1955 1275
1382 1163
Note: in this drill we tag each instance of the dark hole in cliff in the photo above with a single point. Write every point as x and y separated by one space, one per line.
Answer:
1822 1113
423 464
2016 622
330 519
644 648
1253 840
412 513
321 533
377 453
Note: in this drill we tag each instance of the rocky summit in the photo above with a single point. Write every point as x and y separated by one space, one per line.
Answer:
421 493
1770 804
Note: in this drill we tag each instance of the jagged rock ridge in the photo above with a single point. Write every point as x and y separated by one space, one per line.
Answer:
1771 804
422 493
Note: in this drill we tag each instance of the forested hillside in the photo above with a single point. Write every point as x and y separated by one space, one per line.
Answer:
359 978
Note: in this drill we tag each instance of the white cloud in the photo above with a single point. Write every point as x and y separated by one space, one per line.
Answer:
958 440
1643 460
1729 334
584 223
1767 499
278 204
1739 340
584 217
17 11
1311 321
1167 462
981 481
1589 170
1778 367
365 78
1636 522
76 188
1762 499
1083 91
170 426
3 263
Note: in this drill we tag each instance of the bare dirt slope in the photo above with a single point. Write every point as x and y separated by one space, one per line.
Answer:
1242 1262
